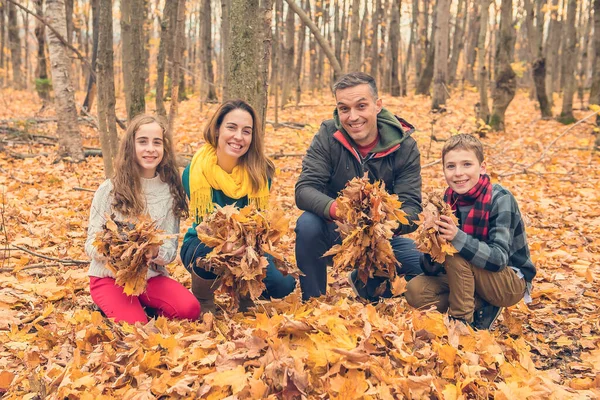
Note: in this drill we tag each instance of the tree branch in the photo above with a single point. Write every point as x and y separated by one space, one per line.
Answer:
62 261
526 168
335 64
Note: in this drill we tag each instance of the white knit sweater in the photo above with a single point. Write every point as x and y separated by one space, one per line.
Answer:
159 204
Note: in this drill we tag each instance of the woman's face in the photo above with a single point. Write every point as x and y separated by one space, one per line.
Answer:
235 136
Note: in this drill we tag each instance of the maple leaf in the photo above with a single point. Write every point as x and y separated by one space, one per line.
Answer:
126 246
428 239
241 239
367 217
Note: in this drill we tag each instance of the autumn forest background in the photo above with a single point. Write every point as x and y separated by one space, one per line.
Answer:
524 75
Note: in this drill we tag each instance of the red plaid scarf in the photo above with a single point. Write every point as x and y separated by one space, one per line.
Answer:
477 222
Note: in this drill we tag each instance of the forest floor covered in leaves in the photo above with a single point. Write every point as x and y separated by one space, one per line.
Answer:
53 345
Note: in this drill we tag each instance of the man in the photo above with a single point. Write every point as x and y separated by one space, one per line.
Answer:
362 137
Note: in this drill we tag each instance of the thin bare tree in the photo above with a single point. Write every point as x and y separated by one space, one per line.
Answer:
70 144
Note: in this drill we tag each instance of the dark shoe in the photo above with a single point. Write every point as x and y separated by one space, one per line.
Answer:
485 317
359 288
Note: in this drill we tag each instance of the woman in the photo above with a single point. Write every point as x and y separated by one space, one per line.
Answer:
231 168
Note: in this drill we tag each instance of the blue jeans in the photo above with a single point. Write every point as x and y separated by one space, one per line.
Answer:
277 285
314 236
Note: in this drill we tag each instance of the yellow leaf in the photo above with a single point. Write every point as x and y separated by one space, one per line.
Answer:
236 378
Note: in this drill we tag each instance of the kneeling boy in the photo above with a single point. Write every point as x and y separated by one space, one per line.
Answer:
492 268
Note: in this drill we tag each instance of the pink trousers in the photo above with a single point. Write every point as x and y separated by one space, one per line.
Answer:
169 297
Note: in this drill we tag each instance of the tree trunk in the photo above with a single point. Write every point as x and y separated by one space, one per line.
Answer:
394 40
179 43
15 46
377 15
539 79
69 6
338 36
583 57
299 61
595 89
91 84
458 40
566 116
442 32
132 34
165 22
69 142
225 43
355 37
472 42
244 53
26 77
427 74
312 50
265 37
552 46
42 83
107 126
288 57
320 39
2 38
208 75
181 94
276 48
483 111
538 68
506 82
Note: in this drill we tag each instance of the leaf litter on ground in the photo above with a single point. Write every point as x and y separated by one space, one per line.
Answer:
53 345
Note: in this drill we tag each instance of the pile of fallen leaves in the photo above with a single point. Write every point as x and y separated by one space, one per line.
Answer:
125 246
335 349
428 239
367 216
53 346
241 239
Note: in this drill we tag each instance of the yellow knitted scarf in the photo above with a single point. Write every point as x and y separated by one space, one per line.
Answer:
206 176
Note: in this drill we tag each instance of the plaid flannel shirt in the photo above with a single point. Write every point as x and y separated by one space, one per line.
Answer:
507 241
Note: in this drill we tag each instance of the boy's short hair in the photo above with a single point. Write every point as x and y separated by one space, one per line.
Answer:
353 79
466 142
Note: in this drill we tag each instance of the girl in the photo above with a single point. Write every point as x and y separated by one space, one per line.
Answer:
146 181
231 168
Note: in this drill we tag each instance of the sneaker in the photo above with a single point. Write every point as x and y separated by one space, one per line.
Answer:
485 317
352 284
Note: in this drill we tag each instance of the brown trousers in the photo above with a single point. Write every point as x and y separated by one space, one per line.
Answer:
463 287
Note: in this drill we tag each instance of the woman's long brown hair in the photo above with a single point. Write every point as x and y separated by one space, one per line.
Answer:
260 168
127 186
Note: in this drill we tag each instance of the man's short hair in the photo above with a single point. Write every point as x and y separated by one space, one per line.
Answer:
465 142
354 79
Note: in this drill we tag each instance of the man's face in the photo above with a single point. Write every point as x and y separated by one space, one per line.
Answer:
358 109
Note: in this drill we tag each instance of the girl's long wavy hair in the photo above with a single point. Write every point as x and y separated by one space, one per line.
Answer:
127 186
260 168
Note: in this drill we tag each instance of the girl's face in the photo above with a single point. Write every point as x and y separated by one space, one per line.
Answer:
235 136
149 148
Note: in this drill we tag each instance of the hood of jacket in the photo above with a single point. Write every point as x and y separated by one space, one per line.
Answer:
392 130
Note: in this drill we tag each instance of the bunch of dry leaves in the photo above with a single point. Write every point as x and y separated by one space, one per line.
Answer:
241 240
428 239
126 246
367 216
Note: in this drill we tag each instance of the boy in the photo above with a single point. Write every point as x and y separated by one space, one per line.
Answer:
492 268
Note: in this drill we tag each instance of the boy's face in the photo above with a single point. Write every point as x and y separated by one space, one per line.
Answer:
462 170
